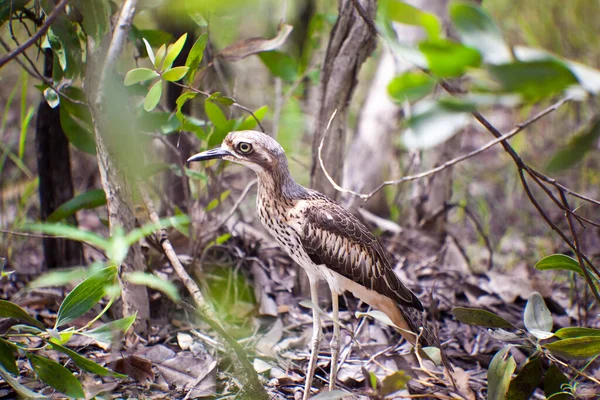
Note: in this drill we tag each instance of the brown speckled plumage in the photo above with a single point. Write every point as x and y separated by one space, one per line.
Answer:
322 237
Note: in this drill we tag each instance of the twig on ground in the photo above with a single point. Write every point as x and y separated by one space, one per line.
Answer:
202 307
37 35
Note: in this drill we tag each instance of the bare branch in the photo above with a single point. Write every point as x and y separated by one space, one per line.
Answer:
37 35
447 164
202 305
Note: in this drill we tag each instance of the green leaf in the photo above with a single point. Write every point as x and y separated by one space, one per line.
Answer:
476 316
149 51
139 75
175 74
196 175
84 363
180 102
534 80
7 356
137 234
432 123
404 13
559 261
280 64
394 382
85 296
160 56
410 86
57 376
106 332
67 231
159 121
537 317
526 381
24 129
154 282
154 37
448 59
173 52
216 116
578 348
249 122
478 30
575 332
83 201
8 8
195 56
76 120
577 147
554 382
499 374
59 278
153 96
96 18
14 383
11 310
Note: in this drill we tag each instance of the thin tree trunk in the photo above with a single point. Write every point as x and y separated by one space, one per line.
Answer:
350 43
56 183
119 153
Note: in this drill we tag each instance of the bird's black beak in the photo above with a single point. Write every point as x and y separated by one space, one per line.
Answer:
217 153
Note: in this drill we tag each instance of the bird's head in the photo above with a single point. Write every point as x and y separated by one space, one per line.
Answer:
253 149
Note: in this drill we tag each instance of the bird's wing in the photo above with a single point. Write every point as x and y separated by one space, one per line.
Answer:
337 239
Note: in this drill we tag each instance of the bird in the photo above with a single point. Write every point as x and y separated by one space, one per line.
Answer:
327 241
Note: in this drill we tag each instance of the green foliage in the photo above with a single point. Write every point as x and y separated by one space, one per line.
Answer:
404 13
559 261
475 316
571 343
154 282
99 283
55 375
76 120
448 59
577 147
90 199
85 295
280 64
534 80
497 74
528 379
478 30
410 86
499 374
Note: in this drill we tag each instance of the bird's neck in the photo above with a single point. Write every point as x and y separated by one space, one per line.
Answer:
278 182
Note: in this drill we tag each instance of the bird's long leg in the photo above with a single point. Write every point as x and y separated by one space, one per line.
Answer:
316 336
335 340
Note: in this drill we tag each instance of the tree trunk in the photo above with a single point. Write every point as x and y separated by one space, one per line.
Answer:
350 43
119 154
56 183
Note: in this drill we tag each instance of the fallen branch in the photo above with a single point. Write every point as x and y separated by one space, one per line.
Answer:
255 388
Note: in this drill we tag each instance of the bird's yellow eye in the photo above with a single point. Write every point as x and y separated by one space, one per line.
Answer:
244 147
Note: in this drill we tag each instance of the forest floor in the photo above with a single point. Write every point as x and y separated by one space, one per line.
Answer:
256 290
